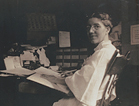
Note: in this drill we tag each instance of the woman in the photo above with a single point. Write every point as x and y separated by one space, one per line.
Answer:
85 84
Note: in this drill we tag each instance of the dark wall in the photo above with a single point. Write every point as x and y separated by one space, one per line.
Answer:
70 16
129 17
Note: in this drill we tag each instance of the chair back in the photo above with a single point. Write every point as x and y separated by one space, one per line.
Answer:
115 67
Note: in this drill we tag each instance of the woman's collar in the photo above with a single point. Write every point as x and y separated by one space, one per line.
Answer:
102 44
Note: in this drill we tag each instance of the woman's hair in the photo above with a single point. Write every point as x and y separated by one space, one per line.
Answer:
105 18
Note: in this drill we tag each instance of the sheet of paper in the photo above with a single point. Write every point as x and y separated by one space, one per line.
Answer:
12 62
5 75
64 39
9 64
37 77
18 71
42 57
16 61
54 68
42 70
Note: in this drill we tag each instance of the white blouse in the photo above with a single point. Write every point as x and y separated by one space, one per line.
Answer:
85 83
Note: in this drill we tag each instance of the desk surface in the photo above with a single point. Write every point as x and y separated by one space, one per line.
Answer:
10 95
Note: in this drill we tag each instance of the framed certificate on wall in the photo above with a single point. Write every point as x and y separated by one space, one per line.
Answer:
134 32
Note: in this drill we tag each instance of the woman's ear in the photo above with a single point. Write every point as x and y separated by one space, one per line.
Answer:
108 29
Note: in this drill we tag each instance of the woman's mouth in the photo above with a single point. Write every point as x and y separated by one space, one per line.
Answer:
93 36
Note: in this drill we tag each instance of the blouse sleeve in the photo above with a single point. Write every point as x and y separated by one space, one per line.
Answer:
85 82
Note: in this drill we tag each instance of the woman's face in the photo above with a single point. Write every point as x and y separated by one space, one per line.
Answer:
96 30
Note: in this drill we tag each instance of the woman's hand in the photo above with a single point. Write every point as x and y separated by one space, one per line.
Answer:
68 73
53 79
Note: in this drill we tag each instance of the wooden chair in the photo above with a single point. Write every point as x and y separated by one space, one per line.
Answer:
117 63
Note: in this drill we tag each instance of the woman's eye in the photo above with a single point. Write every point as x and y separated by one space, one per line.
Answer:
96 26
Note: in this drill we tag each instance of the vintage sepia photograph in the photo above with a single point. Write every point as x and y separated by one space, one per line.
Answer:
69 52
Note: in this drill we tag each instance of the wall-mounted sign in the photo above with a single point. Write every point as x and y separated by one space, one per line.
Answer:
134 32
64 39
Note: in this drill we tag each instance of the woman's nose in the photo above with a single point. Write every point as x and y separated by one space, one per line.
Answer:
92 30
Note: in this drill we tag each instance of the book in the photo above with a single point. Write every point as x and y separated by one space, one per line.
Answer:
37 77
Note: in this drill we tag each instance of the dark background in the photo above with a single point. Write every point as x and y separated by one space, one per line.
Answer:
70 16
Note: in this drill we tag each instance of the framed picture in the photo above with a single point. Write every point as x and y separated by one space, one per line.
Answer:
134 33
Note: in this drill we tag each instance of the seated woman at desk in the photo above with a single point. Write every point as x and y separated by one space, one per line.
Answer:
85 83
